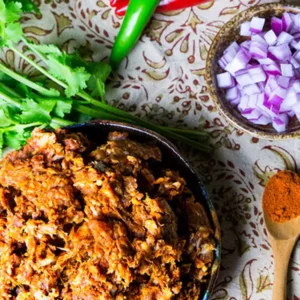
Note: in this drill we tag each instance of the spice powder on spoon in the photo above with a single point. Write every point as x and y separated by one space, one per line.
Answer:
281 198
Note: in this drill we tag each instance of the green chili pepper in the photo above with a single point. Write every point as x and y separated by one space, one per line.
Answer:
136 18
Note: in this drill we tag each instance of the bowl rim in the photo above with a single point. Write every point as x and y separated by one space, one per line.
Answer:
255 132
170 146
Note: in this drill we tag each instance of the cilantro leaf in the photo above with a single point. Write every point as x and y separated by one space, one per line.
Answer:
75 78
5 119
16 138
11 34
27 6
62 107
10 29
36 112
10 11
96 84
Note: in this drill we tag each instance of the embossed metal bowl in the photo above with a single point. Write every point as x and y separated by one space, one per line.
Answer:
97 131
229 33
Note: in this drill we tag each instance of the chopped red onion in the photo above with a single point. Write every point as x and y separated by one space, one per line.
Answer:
296 20
295 44
279 124
239 62
287 22
232 93
284 38
252 101
246 44
272 69
263 72
225 80
283 81
243 105
296 36
233 46
287 70
276 25
277 96
258 50
251 114
245 29
281 52
257 24
227 58
244 79
266 61
296 108
262 120
297 56
259 38
257 74
296 86
289 101
270 37
271 85
294 62
235 102
250 89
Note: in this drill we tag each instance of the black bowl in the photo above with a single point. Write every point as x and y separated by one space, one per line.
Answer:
97 132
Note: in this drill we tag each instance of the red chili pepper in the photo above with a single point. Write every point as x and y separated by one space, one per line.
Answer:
164 5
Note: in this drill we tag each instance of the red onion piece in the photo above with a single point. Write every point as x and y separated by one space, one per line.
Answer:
245 29
276 25
257 24
271 37
225 80
287 70
284 38
287 22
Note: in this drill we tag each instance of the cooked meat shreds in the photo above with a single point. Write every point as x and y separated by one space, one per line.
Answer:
79 222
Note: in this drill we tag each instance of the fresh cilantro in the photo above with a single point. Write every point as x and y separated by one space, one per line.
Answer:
36 112
99 73
10 29
27 5
75 78
5 119
10 11
62 107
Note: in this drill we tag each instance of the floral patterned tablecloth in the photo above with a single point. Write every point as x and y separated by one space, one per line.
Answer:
163 79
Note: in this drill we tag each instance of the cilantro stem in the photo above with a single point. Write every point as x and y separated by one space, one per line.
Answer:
98 113
43 58
27 82
165 131
61 122
189 132
9 90
34 64
10 100
16 127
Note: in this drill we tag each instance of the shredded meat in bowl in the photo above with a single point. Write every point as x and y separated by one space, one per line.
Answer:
84 222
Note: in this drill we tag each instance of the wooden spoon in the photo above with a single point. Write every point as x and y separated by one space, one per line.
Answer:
283 237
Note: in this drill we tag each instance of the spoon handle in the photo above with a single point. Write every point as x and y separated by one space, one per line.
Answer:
282 250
